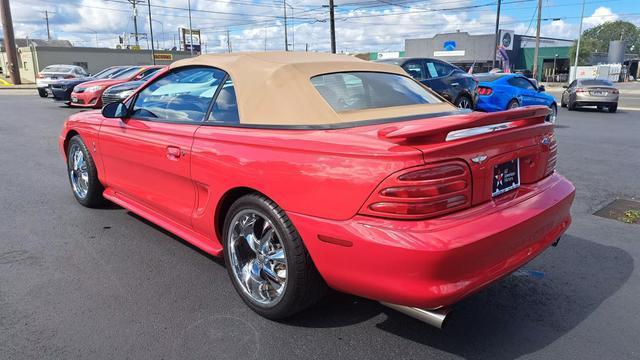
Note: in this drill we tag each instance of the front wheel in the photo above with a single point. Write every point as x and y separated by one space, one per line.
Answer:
43 93
267 261
83 175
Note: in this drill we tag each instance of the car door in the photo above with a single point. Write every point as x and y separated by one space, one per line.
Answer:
416 70
438 73
524 90
566 94
147 156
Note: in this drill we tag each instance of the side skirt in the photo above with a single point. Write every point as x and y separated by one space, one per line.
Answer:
182 231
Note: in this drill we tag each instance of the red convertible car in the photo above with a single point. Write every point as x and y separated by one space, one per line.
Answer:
312 170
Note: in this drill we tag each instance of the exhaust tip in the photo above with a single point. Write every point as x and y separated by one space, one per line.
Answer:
436 318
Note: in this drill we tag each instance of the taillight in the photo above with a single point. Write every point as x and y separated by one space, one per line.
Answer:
615 91
579 90
482 90
423 192
40 76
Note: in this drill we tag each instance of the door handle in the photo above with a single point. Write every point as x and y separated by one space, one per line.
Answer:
455 84
173 152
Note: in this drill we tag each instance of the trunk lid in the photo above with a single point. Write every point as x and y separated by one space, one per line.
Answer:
483 141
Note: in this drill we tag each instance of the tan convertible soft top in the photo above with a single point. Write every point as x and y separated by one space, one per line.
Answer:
274 88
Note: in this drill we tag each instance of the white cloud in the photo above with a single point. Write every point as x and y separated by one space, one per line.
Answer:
600 16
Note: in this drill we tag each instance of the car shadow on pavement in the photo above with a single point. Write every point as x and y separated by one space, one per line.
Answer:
516 316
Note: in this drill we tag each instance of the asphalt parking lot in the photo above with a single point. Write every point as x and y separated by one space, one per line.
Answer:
81 283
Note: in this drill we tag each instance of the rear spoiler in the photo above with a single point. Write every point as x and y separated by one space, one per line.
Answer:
454 127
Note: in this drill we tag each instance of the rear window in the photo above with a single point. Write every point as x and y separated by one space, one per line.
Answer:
488 77
595 82
58 69
351 91
126 73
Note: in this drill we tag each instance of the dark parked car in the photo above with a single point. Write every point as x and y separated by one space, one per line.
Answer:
61 89
448 80
122 91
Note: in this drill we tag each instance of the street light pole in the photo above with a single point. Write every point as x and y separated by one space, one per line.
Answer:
153 50
190 31
536 51
575 67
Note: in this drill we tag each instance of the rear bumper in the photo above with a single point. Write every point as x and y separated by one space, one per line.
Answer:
586 99
489 104
60 94
437 262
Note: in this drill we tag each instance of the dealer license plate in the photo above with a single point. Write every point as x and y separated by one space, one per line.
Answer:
506 177
598 93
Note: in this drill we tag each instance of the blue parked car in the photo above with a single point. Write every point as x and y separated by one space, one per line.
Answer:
507 91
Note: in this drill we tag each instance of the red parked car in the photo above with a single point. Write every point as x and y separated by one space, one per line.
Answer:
89 94
305 170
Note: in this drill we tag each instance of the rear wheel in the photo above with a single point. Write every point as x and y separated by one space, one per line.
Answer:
83 175
571 106
463 102
43 93
613 108
267 261
513 104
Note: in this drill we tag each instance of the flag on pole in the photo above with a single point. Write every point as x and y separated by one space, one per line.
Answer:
471 68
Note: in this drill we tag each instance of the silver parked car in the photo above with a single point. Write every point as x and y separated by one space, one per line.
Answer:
590 92
53 73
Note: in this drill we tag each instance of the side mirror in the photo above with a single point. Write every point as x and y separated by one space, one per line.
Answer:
115 110
541 88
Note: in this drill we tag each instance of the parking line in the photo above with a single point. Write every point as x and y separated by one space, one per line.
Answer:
5 83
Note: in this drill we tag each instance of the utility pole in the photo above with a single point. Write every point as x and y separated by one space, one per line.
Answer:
332 25
190 31
265 37
286 38
497 42
228 41
9 42
575 67
537 49
153 50
46 18
135 20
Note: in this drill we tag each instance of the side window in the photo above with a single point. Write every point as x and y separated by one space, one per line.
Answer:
182 95
432 72
225 107
521 83
414 68
527 84
443 69
573 83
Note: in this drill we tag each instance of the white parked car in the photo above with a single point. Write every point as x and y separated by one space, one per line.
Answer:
54 73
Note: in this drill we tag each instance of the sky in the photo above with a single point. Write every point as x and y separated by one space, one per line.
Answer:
253 25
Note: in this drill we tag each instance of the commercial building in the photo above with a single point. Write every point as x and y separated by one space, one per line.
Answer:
464 49
35 55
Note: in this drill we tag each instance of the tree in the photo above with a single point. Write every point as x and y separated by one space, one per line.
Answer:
597 39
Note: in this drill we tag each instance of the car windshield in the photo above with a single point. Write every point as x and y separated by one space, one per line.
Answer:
595 82
150 74
126 73
488 77
351 91
109 72
57 69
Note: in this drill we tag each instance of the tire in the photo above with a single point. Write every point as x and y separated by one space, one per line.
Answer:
463 102
551 118
43 93
613 108
513 104
301 286
571 106
562 103
83 176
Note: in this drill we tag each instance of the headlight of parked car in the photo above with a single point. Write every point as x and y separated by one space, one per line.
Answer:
77 89
93 88
125 94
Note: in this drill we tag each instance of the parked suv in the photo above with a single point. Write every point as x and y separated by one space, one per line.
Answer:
446 79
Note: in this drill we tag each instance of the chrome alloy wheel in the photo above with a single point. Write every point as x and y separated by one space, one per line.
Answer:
464 103
258 258
78 172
